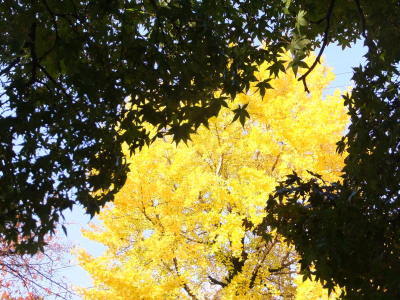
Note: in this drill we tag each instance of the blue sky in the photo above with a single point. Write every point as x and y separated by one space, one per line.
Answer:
341 62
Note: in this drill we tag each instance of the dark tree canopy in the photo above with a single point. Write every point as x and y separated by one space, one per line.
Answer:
348 233
81 78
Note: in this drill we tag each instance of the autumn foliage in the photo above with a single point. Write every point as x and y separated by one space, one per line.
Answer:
183 224
34 277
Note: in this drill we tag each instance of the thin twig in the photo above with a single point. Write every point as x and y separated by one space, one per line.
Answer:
324 44
57 84
32 47
362 17
276 162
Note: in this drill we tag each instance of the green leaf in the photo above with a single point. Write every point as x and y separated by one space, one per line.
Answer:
241 114
300 19
263 86
64 230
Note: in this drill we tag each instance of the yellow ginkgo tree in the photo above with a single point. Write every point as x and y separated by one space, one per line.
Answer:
183 224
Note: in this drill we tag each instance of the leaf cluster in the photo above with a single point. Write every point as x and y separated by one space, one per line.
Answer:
341 240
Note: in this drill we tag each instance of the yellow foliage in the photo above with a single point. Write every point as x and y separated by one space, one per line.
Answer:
312 290
181 227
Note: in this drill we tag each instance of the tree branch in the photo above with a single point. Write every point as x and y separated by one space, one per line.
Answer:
276 162
283 266
362 17
32 48
238 263
185 286
53 80
219 166
324 44
54 20
216 281
258 266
